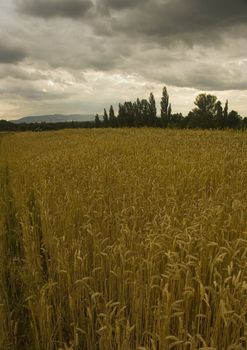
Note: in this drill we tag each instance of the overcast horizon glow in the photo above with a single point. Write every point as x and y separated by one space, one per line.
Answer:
79 56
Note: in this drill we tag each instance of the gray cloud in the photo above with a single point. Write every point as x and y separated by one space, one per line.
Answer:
122 4
17 72
123 47
32 90
10 53
190 21
55 8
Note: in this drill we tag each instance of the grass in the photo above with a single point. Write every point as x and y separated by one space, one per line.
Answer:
123 240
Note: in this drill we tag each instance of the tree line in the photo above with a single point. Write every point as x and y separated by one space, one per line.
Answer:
209 113
8 126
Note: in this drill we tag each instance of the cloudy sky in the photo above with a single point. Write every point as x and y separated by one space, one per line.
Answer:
78 56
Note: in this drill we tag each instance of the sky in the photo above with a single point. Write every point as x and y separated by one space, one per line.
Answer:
79 56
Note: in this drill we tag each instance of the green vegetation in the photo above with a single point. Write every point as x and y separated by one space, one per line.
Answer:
208 114
123 240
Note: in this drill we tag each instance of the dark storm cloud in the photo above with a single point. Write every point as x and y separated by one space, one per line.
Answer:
200 21
121 45
10 53
122 4
190 20
206 78
54 8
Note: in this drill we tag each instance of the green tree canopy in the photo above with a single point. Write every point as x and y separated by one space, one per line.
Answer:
206 103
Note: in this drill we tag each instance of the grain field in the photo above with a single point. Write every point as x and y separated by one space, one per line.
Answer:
123 240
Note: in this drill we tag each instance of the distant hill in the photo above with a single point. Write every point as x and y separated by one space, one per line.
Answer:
55 118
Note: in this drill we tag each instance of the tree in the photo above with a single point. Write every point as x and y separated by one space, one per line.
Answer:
120 114
97 121
176 121
105 119
203 115
153 110
225 114
164 107
219 120
244 123
112 118
169 112
206 103
138 113
145 112
126 114
233 120
120 111
8 126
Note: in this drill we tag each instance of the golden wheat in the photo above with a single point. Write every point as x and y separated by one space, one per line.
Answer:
123 240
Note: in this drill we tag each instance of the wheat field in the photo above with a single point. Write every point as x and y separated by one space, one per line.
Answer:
123 240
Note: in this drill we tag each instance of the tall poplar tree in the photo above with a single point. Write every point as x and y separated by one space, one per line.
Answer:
112 118
105 119
164 104
153 110
225 114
